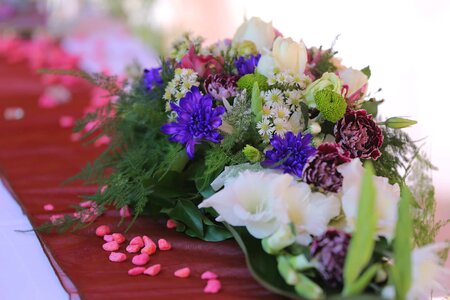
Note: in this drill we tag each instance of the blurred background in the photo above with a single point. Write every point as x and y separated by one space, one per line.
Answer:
404 42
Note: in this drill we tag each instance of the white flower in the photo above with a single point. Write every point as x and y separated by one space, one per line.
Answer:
264 127
289 55
428 272
310 212
280 111
273 96
254 200
296 122
355 83
256 31
281 126
387 197
266 66
286 56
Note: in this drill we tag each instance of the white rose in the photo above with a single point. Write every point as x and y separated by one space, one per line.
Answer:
387 197
254 200
286 56
354 83
256 31
289 55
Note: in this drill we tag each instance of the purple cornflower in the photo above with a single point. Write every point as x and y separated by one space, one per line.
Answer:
197 121
152 78
289 154
247 65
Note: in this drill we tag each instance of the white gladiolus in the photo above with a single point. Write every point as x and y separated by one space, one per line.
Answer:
387 197
428 272
310 212
254 200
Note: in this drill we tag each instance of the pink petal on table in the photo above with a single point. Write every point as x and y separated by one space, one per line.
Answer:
171 224
47 101
108 238
164 245
111 246
117 257
140 259
66 121
209 275
75 136
125 212
182 273
133 248
49 207
86 204
103 140
137 240
213 286
102 230
153 270
118 237
136 271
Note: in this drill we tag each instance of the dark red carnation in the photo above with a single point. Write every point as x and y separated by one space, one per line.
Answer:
330 250
204 65
221 86
358 134
321 169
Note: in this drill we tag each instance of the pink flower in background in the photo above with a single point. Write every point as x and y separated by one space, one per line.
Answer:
204 65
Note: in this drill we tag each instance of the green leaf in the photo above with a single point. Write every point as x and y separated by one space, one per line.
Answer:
189 214
367 71
371 106
256 102
363 240
262 266
363 281
403 246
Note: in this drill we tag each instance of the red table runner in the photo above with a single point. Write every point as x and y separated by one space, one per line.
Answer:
36 156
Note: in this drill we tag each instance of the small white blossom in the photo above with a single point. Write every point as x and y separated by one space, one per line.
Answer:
281 126
273 96
265 128
177 88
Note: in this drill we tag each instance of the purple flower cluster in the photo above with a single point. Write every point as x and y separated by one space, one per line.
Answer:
289 154
330 250
197 121
247 65
152 78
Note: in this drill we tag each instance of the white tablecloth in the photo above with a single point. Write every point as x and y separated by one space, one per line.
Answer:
25 271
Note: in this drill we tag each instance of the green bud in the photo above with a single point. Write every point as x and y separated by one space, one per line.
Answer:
307 288
314 128
279 240
288 274
300 262
252 154
397 122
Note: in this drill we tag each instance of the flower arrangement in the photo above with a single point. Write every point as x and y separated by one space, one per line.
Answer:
281 147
